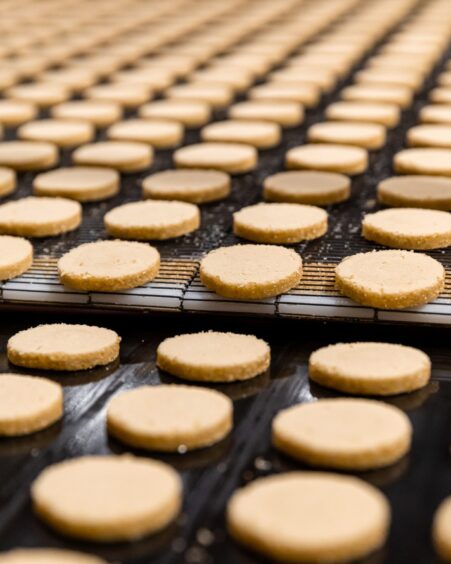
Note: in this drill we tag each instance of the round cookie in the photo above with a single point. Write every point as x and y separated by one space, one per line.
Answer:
99 114
251 272
186 417
234 158
416 191
160 133
213 356
309 517
347 434
47 556
423 161
125 156
304 93
7 181
188 185
127 95
433 135
383 114
13 112
440 95
191 114
42 94
60 132
238 81
39 217
329 158
152 219
390 279
370 136
215 95
260 134
437 113
408 228
286 114
85 184
108 266
28 404
307 187
107 498
279 223
441 530
16 256
375 369
398 95
28 155
62 346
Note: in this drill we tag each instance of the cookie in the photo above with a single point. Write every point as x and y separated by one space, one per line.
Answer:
183 417
152 219
309 517
307 187
107 498
397 95
321 77
416 191
28 155
235 158
390 279
13 112
39 217
188 185
109 266
16 256
42 94
279 223
62 346
441 528
306 93
99 114
71 78
47 556
434 135
160 133
85 184
408 228
383 114
344 433
124 156
126 95
238 81
251 272
215 95
190 113
423 161
60 132
328 158
411 79
370 136
373 369
213 356
260 134
437 113
286 114
440 95
7 181
155 79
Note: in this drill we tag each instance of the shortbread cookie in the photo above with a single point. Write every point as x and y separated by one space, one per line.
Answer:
108 266
238 80
125 156
411 79
383 114
390 279
367 135
214 357
307 187
100 114
74 79
7 181
152 219
374 369
215 95
39 217
286 114
280 223
260 134
28 404
397 95
16 256
64 133
126 95
42 94
13 112
251 272
423 161
440 95
347 434
185 417
62 346
157 132
85 184
309 517
408 228
437 113
189 113
47 556
441 530
322 77
433 135
28 155
329 158
235 158
189 185
107 498
416 191
305 93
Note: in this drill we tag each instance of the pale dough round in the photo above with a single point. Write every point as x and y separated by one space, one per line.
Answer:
41 94
64 133
440 95
309 517
169 417
13 112
304 93
286 114
260 134
416 191
125 156
100 114
437 113
441 530
189 185
108 266
213 356
7 181
367 135
74 79
279 223
107 498
433 135
152 219
408 228
39 217
319 76
16 256
62 346
383 114
238 81
28 155
329 158
251 272
215 95
347 434
28 404
307 187
375 369
235 158
160 133
397 95
85 184
423 161
189 113
127 95
47 556
390 279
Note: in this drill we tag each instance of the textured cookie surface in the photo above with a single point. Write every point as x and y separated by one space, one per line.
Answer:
7 181
64 133
423 161
189 113
433 135
416 191
230 157
384 114
159 133
366 135
28 155
125 156
329 158
16 256
47 556
100 114
307 187
441 530
260 134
